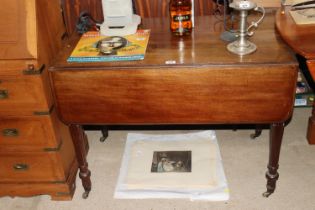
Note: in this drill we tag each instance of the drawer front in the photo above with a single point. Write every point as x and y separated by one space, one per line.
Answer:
32 133
18 37
22 94
30 167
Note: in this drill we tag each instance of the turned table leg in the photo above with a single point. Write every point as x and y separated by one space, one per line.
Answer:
311 127
79 139
104 131
311 122
257 133
276 134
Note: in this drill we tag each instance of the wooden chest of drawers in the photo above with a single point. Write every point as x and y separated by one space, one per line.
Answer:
36 150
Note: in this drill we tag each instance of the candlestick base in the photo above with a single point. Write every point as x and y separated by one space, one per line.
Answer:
239 48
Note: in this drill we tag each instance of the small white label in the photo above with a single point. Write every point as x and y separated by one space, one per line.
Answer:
170 62
244 4
300 102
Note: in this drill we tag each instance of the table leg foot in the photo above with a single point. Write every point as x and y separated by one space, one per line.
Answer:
272 175
85 175
79 139
267 193
85 195
257 133
311 127
104 131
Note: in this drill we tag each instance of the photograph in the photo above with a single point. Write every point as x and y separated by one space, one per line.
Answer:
171 161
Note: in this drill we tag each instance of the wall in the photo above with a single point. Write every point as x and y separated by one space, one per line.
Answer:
268 3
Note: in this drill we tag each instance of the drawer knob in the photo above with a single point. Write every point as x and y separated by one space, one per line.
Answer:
31 70
4 94
10 132
20 167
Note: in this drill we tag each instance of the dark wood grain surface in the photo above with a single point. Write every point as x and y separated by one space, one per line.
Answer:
207 84
299 37
203 48
37 156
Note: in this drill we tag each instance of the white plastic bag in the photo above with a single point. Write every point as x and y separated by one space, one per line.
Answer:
202 179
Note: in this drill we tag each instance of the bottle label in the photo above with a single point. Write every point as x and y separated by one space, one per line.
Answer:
180 18
180 21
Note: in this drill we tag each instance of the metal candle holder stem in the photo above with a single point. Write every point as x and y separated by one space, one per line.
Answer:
242 46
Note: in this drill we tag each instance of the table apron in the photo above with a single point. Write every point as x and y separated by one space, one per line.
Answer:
221 95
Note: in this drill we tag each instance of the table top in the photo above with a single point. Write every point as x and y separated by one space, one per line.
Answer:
202 48
301 38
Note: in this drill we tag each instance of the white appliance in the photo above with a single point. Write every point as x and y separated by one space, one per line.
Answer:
119 19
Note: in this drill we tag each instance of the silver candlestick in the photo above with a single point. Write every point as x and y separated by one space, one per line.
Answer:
242 46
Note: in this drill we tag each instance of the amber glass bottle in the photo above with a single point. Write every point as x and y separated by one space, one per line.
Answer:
180 17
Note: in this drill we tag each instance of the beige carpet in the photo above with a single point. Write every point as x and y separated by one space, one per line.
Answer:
244 161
